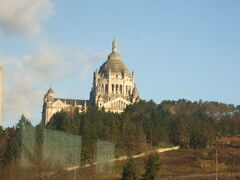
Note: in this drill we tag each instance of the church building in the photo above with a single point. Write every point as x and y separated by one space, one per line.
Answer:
113 89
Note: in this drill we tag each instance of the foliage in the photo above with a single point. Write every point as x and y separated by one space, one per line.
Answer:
130 170
141 126
152 167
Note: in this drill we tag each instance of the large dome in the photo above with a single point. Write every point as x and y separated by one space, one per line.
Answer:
114 62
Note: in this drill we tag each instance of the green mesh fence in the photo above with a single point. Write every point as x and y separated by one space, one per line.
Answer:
49 149
28 146
62 148
105 153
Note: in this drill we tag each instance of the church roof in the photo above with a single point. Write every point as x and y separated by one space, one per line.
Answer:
72 101
114 62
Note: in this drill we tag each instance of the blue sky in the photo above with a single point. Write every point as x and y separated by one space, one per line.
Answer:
177 49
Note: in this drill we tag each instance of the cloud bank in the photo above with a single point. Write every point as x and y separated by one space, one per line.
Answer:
24 17
26 78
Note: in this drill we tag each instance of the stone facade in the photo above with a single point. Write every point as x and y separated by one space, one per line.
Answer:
52 105
113 86
113 89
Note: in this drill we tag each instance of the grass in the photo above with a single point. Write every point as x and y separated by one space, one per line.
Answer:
189 164
184 164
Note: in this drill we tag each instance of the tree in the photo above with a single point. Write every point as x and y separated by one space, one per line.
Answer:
13 144
23 122
129 170
152 167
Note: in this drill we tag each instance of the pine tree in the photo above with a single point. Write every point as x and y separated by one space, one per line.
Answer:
152 167
129 170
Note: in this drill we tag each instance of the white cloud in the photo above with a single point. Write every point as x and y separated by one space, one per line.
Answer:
26 78
23 17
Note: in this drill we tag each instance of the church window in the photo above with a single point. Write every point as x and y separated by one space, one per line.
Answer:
116 88
113 88
122 73
102 88
106 88
121 89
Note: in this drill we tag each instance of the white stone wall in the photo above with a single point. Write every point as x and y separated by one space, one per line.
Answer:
52 106
122 85
109 88
52 109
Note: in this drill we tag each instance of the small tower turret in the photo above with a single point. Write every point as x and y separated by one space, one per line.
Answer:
49 95
85 106
135 94
48 100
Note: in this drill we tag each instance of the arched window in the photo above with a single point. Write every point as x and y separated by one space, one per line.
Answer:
106 88
116 88
112 88
121 90
102 88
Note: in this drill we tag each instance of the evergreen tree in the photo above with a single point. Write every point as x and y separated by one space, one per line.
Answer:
152 167
23 122
129 170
